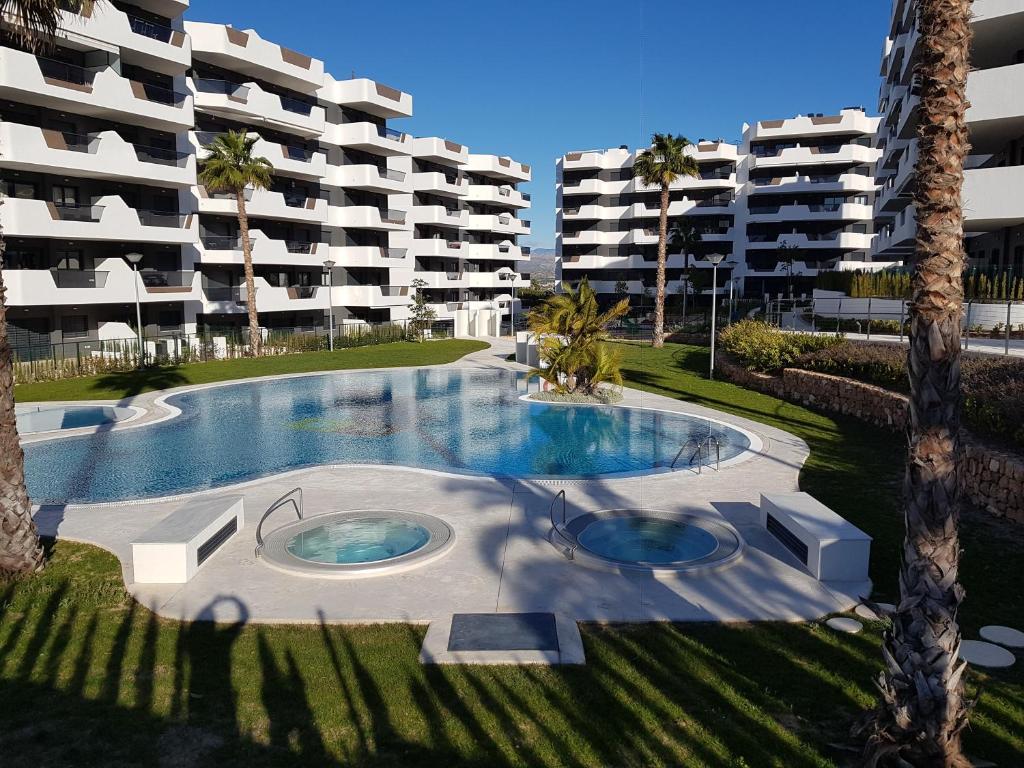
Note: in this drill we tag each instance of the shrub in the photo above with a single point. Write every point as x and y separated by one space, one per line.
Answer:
763 347
993 387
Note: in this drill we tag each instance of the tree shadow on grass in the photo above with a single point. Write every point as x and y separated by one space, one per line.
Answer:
135 382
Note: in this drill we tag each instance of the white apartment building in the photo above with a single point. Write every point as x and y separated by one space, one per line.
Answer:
99 143
793 198
607 221
994 175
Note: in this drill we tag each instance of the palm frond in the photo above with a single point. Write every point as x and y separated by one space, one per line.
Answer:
33 24
231 166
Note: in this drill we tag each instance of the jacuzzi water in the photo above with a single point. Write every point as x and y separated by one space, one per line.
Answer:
470 422
647 540
363 540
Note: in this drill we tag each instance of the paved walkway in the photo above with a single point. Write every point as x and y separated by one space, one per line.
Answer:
502 559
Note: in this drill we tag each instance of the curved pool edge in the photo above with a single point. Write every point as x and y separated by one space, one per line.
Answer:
275 555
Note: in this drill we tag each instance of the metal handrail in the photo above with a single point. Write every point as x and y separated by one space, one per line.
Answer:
287 498
551 509
704 444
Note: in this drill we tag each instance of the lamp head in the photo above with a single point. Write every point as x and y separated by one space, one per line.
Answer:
714 258
328 265
133 257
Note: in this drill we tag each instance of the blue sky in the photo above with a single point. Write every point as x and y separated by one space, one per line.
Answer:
536 78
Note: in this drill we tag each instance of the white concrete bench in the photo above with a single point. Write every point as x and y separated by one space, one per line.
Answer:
172 550
832 548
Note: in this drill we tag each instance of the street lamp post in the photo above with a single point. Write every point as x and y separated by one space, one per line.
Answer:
134 259
732 281
715 259
328 271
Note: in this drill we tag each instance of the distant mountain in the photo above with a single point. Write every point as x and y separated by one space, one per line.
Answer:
541 264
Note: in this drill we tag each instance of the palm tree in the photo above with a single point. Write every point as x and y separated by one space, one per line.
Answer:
686 238
572 331
231 167
32 24
923 710
662 164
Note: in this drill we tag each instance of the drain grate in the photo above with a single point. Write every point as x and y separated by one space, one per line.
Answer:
503 632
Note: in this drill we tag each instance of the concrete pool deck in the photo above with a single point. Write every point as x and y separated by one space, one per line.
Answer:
502 560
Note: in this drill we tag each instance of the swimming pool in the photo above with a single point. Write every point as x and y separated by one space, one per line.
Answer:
34 419
451 420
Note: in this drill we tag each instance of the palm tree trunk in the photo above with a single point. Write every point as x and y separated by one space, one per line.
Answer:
255 339
686 282
923 707
659 295
20 551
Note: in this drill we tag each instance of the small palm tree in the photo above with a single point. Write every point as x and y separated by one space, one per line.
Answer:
661 165
572 331
686 237
32 24
230 167
923 710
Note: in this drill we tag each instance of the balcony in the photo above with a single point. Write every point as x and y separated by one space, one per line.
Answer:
367 96
436 246
99 92
596 212
265 204
847 154
597 159
273 298
288 160
824 182
495 195
368 177
109 218
220 249
498 167
369 137
366 217
815 212
438 215
707 207
244 51
440 183
992 198
592 237
96 155
499 251
502 223
369 256
371 295
805 241
113 282
597 187
162 48
849 121
996 115
251 104
440 151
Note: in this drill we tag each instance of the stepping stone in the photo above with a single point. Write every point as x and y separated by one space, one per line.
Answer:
843 624
503 638
1011 638
865 612
982 654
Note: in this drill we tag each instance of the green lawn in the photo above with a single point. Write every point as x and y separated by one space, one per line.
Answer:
114 386
89 678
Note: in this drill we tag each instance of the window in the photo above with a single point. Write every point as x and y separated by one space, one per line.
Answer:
75 326
64 195
169 320
22 190
69 259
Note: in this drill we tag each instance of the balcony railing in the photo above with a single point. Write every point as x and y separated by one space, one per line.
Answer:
78 278
298 246
159 281
297 106
391 216
170 219
392 175
302 291
161 156
393 253
150 29
66 73
210 85
80 142
298 153
526 197
161 95
390 133
222 242
78 212
218 292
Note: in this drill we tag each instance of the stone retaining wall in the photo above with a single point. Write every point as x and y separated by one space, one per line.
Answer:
992 478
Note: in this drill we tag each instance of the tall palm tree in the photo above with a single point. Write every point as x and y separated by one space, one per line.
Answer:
32 24
230 167
686 237
923 710
661 165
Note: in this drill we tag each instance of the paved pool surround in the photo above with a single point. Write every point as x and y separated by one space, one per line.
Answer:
502 559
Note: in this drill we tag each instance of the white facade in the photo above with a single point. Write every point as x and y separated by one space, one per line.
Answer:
100 144
994 175
795 196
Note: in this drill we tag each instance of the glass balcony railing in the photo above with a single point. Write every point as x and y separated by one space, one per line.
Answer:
161 156
161 95
210 85
78 278
221 242
392 216
298 246
390 133
156 279
297 106
170 219
150 29
67 211
66 73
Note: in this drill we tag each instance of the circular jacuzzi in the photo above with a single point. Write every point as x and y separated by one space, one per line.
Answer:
648 541
349 545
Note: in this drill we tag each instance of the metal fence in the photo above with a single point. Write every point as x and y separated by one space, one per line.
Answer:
994 326
46 362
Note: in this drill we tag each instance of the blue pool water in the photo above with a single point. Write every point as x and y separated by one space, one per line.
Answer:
647 540
364 540
457 421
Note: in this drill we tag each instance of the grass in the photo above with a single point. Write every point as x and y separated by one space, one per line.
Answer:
115 386
87 677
